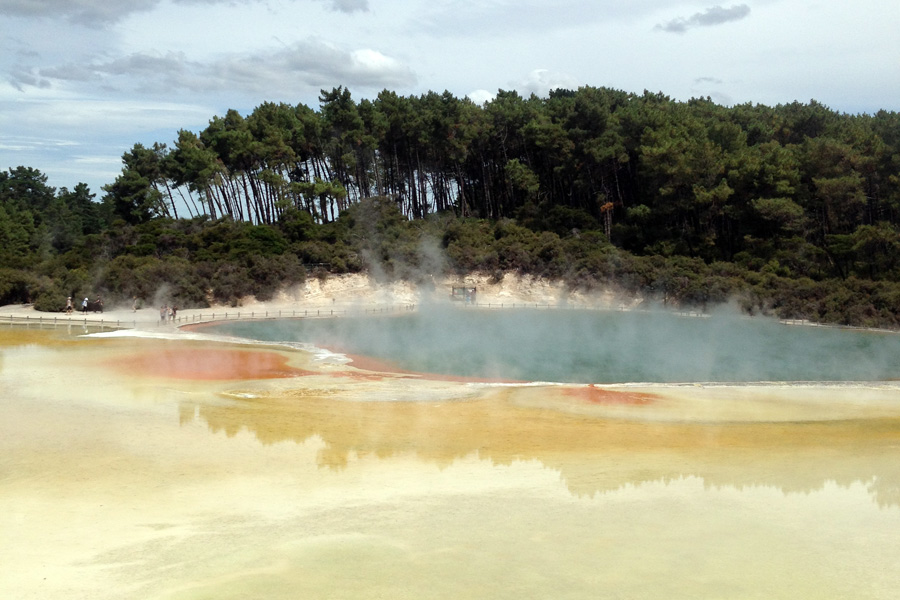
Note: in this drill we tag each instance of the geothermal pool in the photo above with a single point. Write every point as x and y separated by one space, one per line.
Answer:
594 346
183 466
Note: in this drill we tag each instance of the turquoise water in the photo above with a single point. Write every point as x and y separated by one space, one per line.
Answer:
595 347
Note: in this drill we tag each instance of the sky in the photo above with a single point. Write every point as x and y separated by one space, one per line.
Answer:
82 81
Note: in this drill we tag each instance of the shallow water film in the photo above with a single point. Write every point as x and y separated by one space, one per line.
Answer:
187 469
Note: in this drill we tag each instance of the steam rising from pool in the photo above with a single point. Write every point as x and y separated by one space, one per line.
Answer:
595 346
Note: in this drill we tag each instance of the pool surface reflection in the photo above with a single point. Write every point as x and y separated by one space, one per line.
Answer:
322 481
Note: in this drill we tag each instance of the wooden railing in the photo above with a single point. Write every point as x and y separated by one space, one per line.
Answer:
40 321
239 314
306 313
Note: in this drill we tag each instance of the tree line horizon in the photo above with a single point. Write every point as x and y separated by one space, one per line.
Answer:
642 165
797 191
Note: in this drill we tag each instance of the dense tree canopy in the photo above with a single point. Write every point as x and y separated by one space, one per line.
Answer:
663 177
676 199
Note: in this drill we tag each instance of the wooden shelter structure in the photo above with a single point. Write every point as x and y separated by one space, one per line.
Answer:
465 294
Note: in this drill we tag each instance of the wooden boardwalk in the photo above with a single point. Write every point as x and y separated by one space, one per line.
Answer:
49 321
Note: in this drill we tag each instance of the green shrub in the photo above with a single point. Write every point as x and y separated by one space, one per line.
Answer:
15 286
48 295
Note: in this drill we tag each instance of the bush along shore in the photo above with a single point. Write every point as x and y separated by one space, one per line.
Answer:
199 262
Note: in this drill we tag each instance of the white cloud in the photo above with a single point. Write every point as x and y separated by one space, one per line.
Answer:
85 12
349 6
301 67
541 82
27 143
715 15
506 18
110 162
372 68
78 118
100 13
481 96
